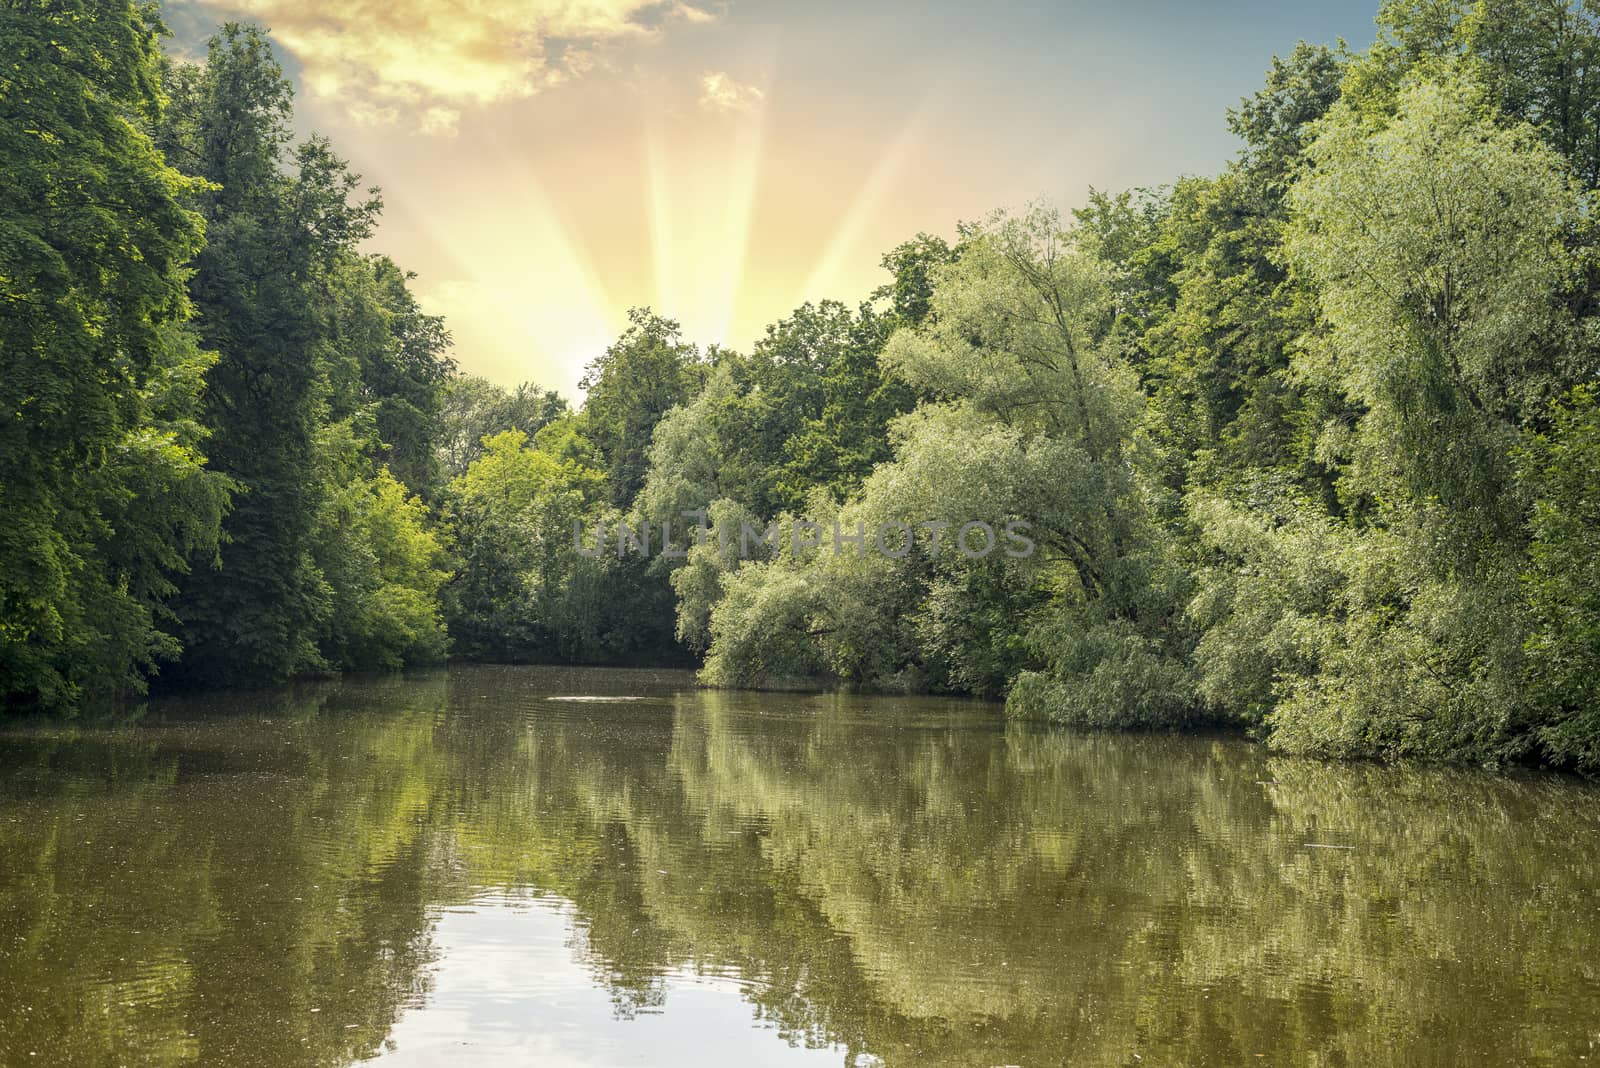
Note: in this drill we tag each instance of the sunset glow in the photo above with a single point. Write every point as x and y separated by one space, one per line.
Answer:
547 165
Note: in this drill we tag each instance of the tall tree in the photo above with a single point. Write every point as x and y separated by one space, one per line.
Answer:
644 374
278 223
1434 239
100 479
391 367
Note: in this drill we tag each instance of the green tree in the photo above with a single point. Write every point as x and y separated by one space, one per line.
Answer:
398 370
839 442
513 517
1032 424
1210 312
279 225
1563 581
381 564
644 374
472 408
1435 241
100 467
1434 238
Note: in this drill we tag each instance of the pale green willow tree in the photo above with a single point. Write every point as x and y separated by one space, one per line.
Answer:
689 461
1030 423
1021 334
1435 243
698 583
1563 581
1433 239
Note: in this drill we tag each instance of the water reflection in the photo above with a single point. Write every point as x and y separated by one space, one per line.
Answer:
469 867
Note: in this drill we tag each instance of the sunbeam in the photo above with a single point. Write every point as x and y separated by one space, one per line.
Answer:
744 175
657 170
868 200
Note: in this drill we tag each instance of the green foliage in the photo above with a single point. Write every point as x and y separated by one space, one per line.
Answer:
1210 312
643 375
1105 674
1433 237
276 226
1031 426
385 359
1285 436
1264 574
838 443
1435 242
381 565
1538 61
473 408
1307 446
913 265
1563 581
521 584
101 483
761 628
698 584
328 387
810 407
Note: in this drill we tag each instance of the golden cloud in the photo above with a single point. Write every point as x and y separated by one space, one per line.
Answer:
426 61
719 92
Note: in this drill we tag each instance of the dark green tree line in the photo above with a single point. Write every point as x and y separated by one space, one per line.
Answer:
102 487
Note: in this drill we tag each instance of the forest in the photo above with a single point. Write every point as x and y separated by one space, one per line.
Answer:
1309 448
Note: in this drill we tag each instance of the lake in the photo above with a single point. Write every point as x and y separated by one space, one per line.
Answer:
513 866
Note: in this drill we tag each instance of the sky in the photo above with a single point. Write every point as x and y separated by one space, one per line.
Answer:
548 164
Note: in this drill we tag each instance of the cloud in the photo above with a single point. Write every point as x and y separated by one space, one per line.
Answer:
719 92
425 61
690 13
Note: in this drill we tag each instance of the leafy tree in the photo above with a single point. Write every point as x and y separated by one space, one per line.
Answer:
810 406
473 408
1563 581
514 512
913 265
1434 239
1032 424
1212 316
381 565
1541 62
839 442
643 375
699 583
279 224
100 466
393 363
702 451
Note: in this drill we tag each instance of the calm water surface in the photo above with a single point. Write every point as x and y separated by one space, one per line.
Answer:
517 866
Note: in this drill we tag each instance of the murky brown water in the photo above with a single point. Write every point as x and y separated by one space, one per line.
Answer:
472 868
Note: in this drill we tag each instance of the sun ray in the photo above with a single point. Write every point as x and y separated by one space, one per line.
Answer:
744 176
866 203
518 288
657 175
557 241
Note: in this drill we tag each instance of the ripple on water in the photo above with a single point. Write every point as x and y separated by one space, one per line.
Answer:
513 865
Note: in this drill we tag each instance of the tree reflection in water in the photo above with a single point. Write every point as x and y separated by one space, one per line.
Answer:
256 880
